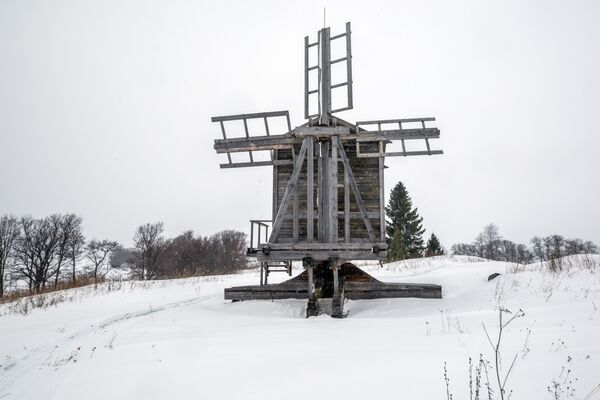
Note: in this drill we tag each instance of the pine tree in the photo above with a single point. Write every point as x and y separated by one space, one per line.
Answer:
403 218
434 247
397 249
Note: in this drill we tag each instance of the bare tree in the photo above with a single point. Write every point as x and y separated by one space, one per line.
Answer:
122 256
149 245
9 233
70 229
488 242
537 246
75 250
36 249
590 248
233 250
98 251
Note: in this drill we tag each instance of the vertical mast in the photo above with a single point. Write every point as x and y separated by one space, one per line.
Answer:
324 77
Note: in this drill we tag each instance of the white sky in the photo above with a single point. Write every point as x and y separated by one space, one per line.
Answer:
105 108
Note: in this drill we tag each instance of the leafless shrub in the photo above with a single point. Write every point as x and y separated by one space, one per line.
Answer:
501 382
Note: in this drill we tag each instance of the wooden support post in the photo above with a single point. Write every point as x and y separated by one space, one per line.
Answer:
310 201
333 194
262 267
381 195
346 206
324 213
336 280
295 210
337 301
312 306
275 186
259 234
320 192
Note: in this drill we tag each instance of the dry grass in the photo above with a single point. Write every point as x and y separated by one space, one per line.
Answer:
15 295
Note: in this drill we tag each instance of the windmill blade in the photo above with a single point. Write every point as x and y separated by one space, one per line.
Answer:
248 143
399 132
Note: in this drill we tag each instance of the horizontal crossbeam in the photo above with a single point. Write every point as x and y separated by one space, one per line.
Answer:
401 154
250 116
395 121
256 143
256 164
397 134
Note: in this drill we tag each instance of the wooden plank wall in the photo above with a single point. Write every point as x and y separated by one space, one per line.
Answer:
366 173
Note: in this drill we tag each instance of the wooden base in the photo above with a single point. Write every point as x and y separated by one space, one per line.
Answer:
355 285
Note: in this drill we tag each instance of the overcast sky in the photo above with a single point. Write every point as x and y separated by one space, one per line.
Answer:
105 108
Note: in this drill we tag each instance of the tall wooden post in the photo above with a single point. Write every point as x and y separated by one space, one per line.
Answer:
312 306
325 77
337 301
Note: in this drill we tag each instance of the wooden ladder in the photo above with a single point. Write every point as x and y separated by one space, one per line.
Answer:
267 267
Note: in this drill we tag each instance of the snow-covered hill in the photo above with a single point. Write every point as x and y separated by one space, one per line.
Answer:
179 339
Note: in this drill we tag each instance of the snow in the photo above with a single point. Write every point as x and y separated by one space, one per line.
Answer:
180 339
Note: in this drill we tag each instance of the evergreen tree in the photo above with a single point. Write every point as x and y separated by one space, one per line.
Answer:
397 249
403 218
434 247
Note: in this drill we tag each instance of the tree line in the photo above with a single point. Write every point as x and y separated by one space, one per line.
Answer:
404 231
45 252
491 245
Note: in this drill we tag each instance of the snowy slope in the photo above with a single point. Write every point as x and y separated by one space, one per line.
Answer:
180 339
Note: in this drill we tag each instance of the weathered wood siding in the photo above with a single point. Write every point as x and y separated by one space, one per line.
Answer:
366 173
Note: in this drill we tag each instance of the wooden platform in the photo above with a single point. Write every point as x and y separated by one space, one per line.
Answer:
356 285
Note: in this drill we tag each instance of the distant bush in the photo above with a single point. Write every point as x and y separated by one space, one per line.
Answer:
155 257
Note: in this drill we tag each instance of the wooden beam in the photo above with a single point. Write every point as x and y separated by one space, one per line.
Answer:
256 164
310 200
225 138
306 69
320 193
320 131
275 185
401 154
254 143
333 195
289 190
357 195
381 195
250 116
295 206
346 206
366 246
393 121
349 66
395 134
320 255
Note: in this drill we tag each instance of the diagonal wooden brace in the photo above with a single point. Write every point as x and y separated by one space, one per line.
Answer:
289 190
357 196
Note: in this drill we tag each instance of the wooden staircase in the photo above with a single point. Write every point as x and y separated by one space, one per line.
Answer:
268 267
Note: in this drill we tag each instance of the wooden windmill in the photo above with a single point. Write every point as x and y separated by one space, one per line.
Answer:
328 190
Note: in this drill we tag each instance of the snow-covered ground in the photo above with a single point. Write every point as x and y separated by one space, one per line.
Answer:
179 339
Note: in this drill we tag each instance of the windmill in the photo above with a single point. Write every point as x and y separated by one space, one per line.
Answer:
328 188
